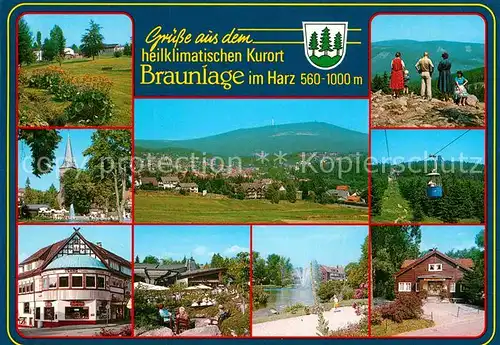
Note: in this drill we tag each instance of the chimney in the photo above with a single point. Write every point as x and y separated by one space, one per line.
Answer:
99 244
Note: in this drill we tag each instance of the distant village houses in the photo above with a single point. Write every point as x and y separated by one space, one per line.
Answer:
332 273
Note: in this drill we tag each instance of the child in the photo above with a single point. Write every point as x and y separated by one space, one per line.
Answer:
460 90
406 90
335 303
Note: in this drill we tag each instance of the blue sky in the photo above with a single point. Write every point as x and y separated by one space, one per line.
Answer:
418 144
115 238
116 28
458 28
80 141
200 241
446 238
168 119
328 245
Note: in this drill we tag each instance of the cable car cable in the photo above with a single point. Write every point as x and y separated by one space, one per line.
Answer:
451 142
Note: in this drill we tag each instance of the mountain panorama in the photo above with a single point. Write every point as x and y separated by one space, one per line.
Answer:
288 138
463 56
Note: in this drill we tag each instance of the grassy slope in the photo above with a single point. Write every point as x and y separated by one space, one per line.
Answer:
388 328
167 207
390 210
120 75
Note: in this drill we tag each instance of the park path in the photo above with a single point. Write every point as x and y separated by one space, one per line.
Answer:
305 325
451 320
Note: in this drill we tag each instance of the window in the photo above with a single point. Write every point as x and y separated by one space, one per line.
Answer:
417 287
435 267
100 282
45 283
52 282
76 281
48 313
76 313
114 265
452 287
462 287
90 281
26 308
126 270
64 282
404 287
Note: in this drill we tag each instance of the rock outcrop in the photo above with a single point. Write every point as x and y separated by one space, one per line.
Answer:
159 332
207 331
414 111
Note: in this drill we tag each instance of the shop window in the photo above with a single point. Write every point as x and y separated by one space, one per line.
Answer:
64 282
76 281
77 313
26 308
52 282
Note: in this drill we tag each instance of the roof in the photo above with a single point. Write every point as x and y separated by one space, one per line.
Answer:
152 180
44 252
167 179
249 185
435 275
332 269
76 261
413 263
36 207
69 161
188 185
466 262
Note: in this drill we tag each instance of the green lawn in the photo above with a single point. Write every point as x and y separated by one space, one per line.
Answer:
394 206
173 208
388 327
121 91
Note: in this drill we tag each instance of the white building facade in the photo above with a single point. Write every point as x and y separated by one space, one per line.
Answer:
73 282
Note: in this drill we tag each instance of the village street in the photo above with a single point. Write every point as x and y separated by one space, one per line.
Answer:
75 330
305 325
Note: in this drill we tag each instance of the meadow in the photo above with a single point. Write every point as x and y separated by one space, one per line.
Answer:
157 206
41 106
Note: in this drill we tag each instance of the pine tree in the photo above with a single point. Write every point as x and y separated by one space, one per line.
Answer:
137 260
326 44
92 40
39 40
337 42
48 50
313 43
58 41
25 44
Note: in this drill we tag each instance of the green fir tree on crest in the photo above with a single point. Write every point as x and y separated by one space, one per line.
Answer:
325 46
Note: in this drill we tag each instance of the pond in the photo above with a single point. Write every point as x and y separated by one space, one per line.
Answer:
280 298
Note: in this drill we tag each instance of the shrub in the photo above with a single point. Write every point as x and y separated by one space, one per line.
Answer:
293 309
406 306
44 78
348 293
259 295
238 323
328 289
117 54
90 107
376 316
422 294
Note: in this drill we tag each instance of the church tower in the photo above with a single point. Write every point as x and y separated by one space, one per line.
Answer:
68 164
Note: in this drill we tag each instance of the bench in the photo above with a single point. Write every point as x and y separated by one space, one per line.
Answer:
106 68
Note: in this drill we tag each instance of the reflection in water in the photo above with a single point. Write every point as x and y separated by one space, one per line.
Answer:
280 298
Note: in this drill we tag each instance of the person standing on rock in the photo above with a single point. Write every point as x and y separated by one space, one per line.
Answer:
425 67
445 80
461 93
397 75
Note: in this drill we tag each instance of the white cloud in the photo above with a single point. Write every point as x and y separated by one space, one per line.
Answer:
235 250
200 250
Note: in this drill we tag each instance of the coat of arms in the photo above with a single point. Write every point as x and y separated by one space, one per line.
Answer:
325 43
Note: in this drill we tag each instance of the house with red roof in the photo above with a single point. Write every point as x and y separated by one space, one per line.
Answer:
435 272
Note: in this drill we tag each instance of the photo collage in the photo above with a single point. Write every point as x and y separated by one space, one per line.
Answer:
162 217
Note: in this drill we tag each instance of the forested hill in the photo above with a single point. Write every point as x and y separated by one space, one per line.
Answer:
463 56
288 138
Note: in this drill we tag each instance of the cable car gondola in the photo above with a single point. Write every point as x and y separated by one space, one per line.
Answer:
435 185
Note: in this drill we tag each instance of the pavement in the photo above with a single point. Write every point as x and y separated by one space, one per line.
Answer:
301 326
451 319
65 331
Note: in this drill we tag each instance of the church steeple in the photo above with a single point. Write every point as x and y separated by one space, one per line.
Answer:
69 161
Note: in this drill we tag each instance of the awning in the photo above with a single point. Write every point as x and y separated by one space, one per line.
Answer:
146 286
199 287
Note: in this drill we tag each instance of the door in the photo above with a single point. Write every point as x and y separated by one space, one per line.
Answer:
37 313
435 288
